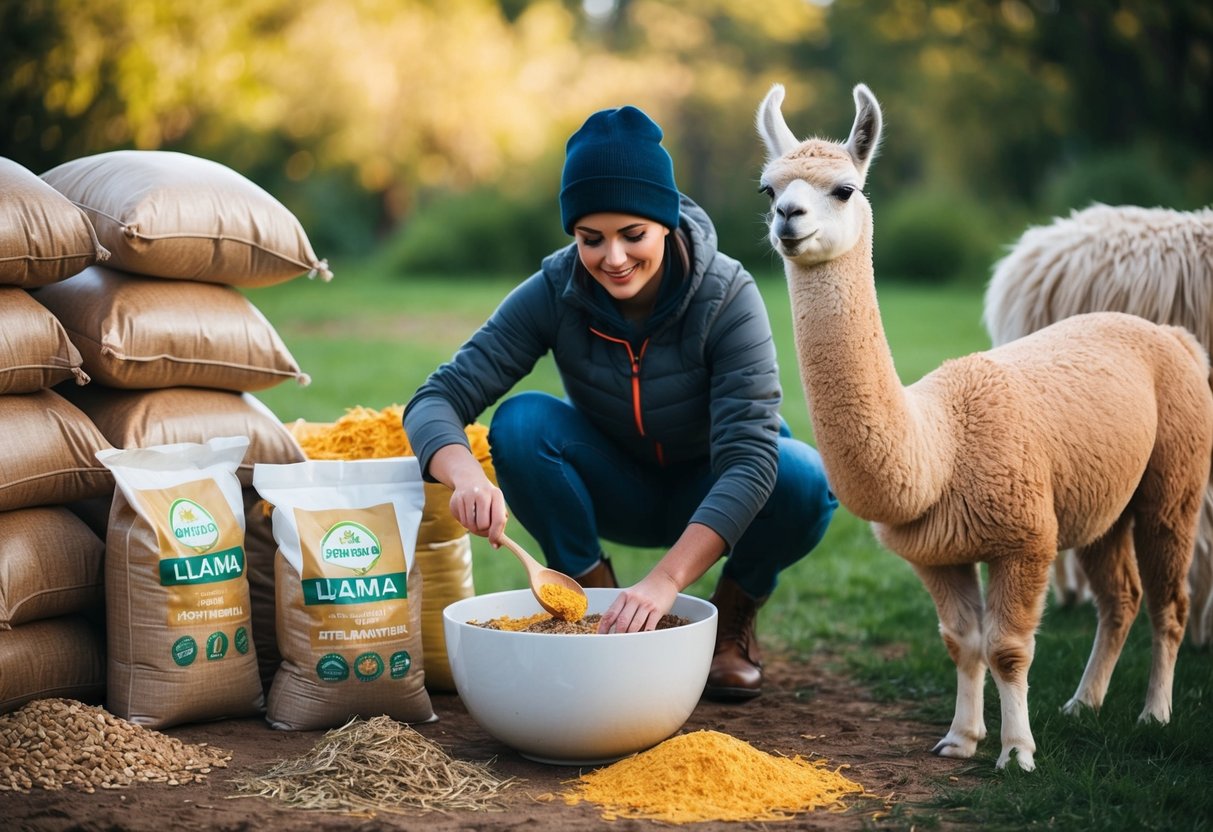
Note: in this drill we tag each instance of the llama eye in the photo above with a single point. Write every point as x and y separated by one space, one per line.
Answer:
842 193
768 190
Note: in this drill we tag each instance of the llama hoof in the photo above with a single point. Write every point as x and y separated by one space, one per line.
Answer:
1023 758
1151 716
955 746
1077 706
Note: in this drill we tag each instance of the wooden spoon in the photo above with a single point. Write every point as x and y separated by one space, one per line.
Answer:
538 575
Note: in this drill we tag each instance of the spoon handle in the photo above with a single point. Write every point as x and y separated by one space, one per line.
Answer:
523 555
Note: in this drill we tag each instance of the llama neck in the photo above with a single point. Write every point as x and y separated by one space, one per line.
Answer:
883 460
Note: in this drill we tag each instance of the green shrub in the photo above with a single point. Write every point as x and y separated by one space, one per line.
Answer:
934 237
1127 176
478 232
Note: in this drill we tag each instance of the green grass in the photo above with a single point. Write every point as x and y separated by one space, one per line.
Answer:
367 339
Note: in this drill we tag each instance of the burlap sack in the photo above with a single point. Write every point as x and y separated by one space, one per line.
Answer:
446 567
47 449
260 549
56 657
349 592
35 352
178 625
166 214
139 333
43 237
138 418
50 565
94 512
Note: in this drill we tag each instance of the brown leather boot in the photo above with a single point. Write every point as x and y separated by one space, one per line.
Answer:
601 574
736 672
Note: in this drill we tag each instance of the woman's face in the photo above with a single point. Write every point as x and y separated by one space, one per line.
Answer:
623 253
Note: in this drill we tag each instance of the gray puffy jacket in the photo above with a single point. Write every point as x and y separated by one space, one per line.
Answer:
698 384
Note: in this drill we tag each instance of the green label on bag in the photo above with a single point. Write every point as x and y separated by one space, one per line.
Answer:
216 646
400 663
332 667
203 569
185 650
368 667
365 590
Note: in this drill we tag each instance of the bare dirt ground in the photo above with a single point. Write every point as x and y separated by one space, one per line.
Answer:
803 710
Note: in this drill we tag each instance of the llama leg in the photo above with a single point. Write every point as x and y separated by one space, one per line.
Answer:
956 591
1200 577
1014 603
1069 581
1164 554
1108 563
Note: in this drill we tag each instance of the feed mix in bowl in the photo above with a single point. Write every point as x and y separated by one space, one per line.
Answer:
542 622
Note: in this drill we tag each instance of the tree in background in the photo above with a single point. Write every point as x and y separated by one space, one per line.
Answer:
365 115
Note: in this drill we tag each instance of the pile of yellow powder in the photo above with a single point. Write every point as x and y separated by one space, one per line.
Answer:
707 775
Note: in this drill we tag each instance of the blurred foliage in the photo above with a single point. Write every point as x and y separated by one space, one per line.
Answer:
1134 175
934 237
363 116
477 231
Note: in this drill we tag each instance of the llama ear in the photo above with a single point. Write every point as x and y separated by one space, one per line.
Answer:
865 132
771 126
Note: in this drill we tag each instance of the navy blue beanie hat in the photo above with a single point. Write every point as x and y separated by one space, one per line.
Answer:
616 163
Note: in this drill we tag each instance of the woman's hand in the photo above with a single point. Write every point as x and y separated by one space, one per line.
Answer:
480 507
640 607
476 503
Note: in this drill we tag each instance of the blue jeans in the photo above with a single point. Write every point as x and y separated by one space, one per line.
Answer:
569 485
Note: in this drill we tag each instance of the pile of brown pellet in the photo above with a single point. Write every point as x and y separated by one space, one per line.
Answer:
52 743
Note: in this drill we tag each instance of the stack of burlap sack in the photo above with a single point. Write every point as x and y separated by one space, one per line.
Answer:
174 351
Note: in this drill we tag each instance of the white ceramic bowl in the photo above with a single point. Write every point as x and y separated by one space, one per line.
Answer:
577 699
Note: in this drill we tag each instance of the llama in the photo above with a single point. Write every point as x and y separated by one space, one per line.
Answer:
1095 433
1152 262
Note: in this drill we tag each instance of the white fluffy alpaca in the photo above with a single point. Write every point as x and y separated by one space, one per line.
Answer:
1152 262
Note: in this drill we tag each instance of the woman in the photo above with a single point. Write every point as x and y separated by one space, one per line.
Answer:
670 434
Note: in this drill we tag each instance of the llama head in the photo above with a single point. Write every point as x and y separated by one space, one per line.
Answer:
818 210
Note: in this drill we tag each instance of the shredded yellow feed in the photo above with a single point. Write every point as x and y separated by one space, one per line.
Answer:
365 433
362 433
564 602
707 775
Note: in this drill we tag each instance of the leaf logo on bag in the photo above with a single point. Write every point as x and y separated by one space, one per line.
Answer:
192 525
352 546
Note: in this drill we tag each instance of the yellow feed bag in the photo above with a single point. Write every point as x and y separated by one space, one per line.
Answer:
444 551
